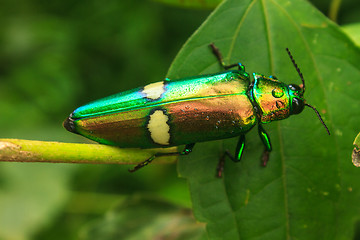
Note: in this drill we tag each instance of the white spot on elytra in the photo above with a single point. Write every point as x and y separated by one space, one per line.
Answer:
158 128
154 90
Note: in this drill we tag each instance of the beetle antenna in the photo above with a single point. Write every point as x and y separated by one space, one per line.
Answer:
319 116
297 68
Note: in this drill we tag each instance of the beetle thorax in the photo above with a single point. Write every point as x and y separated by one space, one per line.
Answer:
271 98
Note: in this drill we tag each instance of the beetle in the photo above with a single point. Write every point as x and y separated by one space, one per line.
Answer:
190 110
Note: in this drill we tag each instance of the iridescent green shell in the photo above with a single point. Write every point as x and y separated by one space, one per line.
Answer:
272 97
170 113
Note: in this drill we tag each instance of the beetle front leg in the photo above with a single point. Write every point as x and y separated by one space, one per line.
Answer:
187 150
266 141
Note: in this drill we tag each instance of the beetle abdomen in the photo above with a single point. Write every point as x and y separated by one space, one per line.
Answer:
169 113
172 124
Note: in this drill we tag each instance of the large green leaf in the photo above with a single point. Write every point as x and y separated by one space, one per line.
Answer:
353 30
310 189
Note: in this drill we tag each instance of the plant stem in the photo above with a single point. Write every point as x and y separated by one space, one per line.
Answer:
334 9
19 150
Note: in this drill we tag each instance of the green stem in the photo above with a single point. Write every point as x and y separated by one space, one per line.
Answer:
334 9
19 150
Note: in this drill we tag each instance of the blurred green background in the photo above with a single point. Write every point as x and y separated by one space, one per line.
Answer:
58 55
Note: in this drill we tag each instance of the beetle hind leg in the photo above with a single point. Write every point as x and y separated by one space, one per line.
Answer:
187 150
236 158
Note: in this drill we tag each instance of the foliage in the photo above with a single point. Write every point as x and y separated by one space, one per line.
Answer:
307 186
57 55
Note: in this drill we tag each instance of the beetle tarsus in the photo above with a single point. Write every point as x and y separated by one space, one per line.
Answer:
221 164
220 58
265 157
220 167
143 164
187 150
217 54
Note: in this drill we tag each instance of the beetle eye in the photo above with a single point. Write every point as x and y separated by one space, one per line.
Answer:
294 87
297 105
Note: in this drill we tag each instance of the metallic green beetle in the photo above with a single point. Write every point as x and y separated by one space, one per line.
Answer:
189 110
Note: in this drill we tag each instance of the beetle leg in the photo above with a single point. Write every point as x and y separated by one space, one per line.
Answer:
219 57
220 166
238 153
266 141
239 148
265 157
187 150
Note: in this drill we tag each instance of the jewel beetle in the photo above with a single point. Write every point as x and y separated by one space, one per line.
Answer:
190 110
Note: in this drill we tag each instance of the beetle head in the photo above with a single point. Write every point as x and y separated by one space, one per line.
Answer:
297 102
296 93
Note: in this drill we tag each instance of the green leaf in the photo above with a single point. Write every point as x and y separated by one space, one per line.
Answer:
309 190
141 217
353 30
